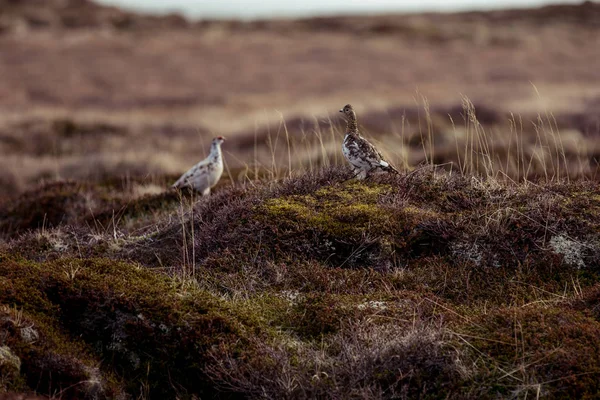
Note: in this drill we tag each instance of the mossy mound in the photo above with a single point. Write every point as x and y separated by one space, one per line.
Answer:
387 222
147 330
316 217
331 222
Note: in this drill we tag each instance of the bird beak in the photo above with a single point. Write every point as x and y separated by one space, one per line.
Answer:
341 110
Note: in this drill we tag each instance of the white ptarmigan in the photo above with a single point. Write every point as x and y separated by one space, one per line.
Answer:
204 175
360 153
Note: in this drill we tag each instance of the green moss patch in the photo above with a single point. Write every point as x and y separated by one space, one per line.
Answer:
348 210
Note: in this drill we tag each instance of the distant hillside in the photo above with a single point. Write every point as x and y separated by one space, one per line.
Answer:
75 14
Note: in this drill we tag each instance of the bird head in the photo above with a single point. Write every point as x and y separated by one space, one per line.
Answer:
348 111
218 140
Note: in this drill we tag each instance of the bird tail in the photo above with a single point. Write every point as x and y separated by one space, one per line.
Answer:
387 167
178 184
392 170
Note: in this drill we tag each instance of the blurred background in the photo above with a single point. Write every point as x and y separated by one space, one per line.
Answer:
133 91
309 8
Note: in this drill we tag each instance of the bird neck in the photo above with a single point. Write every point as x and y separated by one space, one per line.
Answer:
352 125
215 152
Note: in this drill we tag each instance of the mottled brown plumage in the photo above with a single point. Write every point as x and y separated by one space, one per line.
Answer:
360 153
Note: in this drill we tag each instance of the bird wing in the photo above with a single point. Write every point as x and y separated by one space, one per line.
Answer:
200 168
368 151
372 155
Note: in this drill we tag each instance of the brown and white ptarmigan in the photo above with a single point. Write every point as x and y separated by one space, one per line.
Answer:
360 153
204 175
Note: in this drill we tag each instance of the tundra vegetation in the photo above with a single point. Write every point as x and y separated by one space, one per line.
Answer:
474 273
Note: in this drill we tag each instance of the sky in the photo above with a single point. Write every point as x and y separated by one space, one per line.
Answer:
249 9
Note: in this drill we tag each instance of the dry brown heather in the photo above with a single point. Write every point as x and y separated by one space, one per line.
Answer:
473 274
